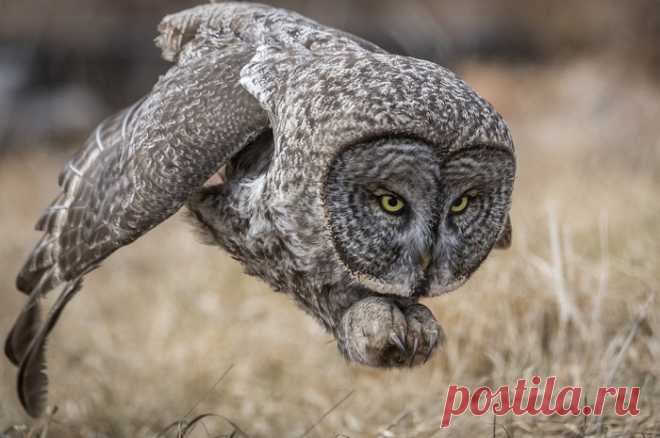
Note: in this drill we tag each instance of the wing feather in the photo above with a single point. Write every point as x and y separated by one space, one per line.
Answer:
139 166
32 379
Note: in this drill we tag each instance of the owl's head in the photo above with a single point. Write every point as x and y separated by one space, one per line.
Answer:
409 220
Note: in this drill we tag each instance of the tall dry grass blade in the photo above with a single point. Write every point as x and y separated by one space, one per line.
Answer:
184 426
193 423
328 412
210 391
178 424
565 307
187 427
632 333
603 273
46 422
634 329
237 430
568 310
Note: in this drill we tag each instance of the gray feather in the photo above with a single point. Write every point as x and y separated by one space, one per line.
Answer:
32 380
22 332
506 235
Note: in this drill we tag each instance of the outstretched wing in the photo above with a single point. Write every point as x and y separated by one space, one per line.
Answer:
136 170
140 166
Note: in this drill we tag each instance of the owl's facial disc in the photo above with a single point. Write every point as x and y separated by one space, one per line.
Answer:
474 205
407 222
379 202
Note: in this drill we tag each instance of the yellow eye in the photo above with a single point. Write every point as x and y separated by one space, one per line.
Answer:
460 205
392 204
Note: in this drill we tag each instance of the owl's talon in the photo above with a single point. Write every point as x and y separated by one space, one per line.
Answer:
430 332
429 351
377 332
437 337
411 362
398 341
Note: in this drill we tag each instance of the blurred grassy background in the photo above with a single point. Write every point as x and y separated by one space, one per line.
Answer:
164 318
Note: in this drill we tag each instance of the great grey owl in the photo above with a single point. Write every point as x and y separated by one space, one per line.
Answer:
352 179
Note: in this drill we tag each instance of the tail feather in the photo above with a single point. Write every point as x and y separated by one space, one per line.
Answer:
32 383
23 331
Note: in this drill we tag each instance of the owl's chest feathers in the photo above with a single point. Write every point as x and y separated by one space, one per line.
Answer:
279 236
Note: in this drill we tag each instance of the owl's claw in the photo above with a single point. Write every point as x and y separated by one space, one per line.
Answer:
414 352
377 332
398 341
433 342
426 334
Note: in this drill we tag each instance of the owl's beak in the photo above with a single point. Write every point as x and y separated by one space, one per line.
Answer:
425 260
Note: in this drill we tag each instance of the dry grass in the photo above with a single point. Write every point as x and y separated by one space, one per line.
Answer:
156 327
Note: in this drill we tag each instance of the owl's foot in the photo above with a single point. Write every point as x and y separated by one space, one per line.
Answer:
377 332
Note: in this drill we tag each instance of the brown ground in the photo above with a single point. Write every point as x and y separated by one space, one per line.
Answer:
155 328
